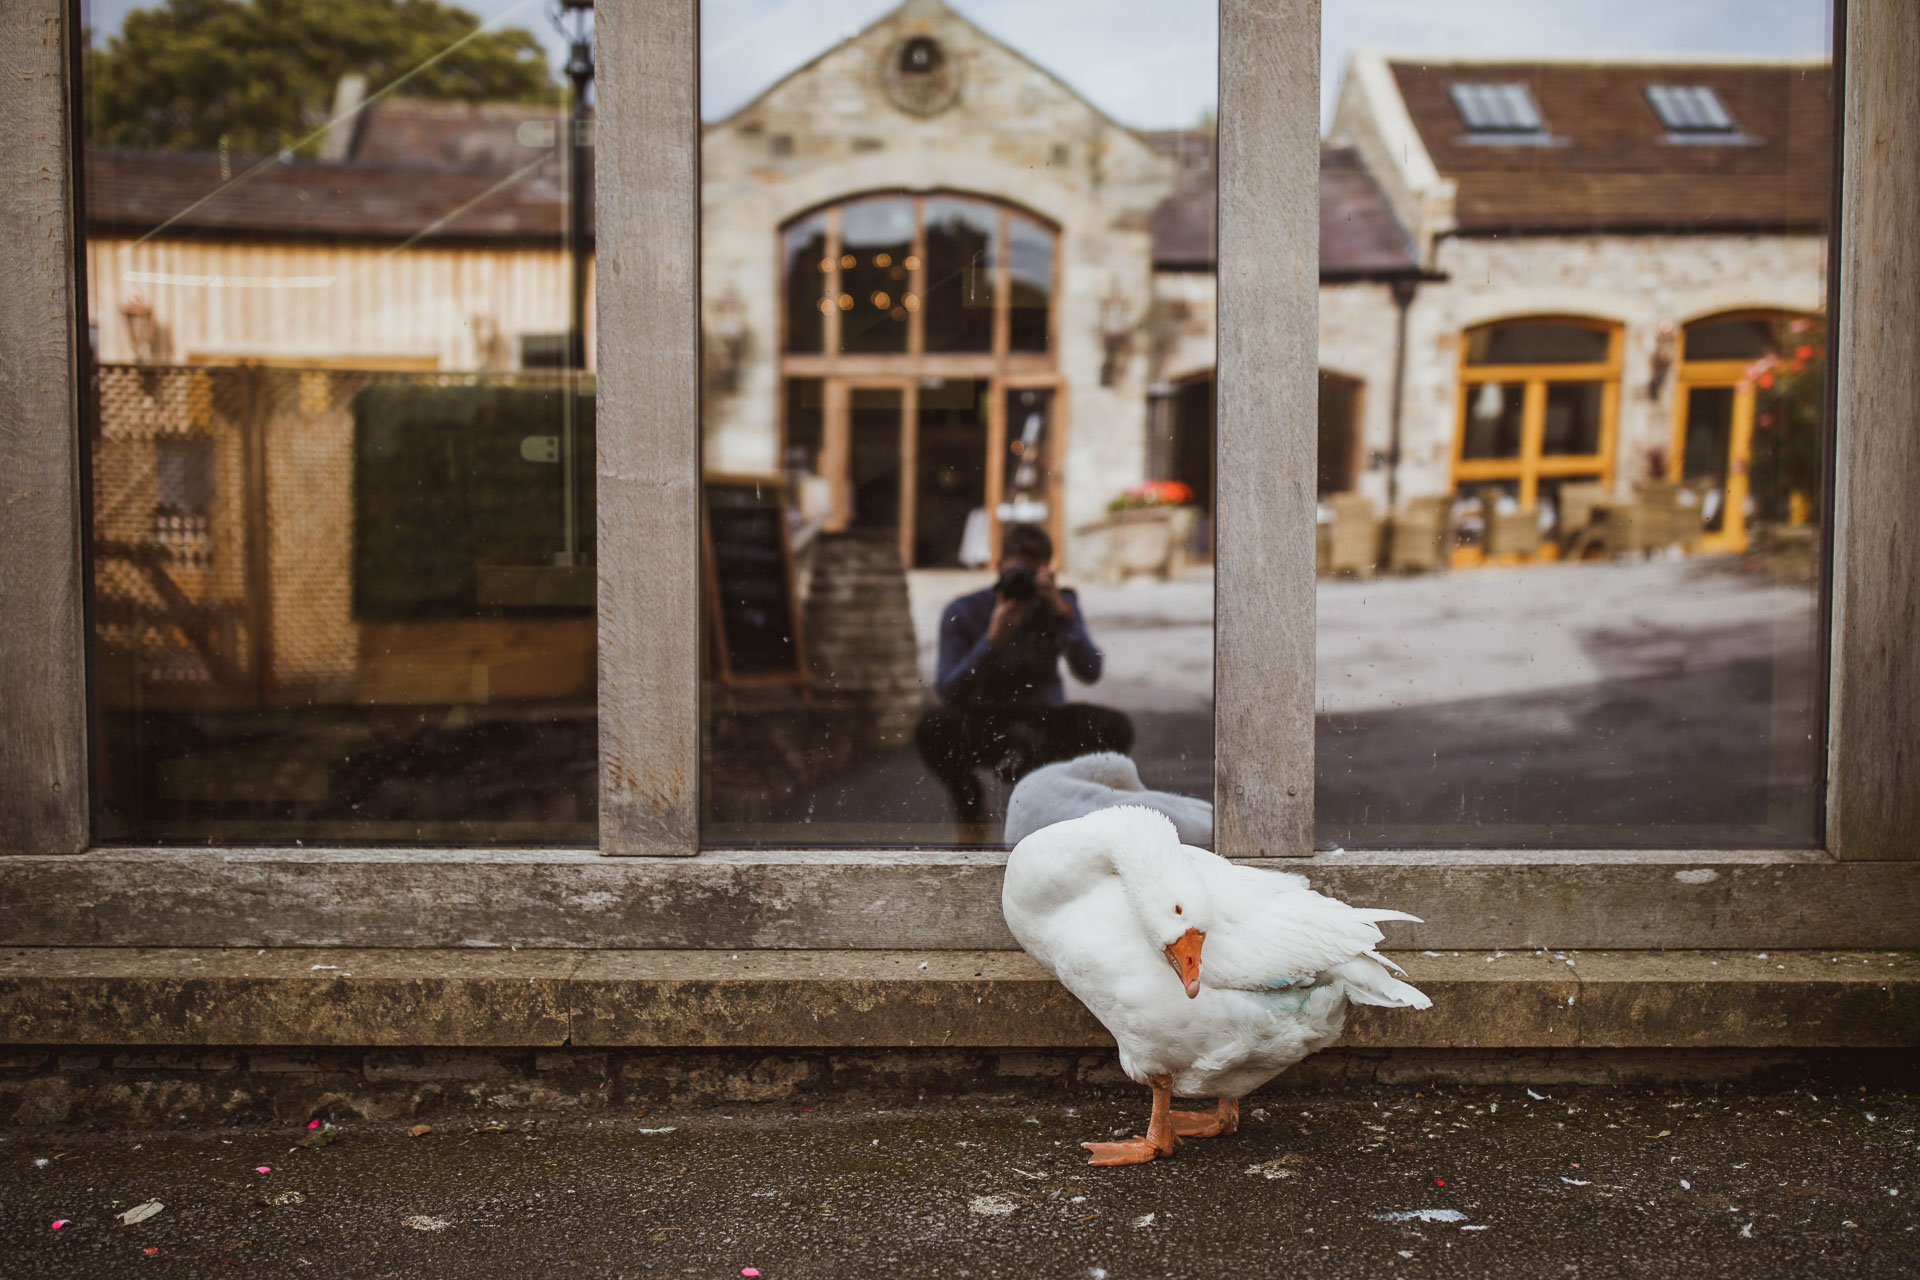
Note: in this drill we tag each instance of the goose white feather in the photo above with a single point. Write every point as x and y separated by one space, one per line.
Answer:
1098 900
1090 783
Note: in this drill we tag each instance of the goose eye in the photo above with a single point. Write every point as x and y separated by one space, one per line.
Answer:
1176 909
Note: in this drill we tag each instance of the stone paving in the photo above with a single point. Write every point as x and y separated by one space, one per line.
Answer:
1365 1181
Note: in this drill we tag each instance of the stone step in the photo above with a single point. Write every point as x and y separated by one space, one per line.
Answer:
902 999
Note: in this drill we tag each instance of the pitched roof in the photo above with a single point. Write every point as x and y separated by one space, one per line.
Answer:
1607 162
1359 235
432 171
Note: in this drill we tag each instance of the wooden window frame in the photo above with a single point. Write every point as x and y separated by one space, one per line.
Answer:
1530 465
649 463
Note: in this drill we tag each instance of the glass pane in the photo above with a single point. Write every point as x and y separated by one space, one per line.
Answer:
876 246
1573 419
969 405
1537 342
1572 608
809 272
342 425
1494 420
963 246
1031 257
1743 338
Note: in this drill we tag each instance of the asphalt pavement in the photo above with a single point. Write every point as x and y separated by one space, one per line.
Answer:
1373 1181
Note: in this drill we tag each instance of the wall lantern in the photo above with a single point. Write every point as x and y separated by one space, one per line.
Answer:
1116 333
1663 341
139 317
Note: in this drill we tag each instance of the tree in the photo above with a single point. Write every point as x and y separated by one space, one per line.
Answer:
259 75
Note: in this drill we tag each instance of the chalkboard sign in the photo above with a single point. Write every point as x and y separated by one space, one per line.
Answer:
753 610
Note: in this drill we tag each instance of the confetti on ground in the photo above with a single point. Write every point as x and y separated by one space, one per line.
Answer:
140 1213
1423 1215
420 1131
313 1124
263 1168
59 1223
1144 1220
668 1129
151 1251
280 1199
754 1271
991 1206
421 1222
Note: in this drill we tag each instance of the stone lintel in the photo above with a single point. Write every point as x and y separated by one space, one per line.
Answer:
891 900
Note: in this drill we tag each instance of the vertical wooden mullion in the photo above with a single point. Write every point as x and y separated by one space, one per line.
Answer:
1002 287
996 458
830 336
647 330
917 281
836 452
1609 425
909 466
1739 457
1533 430
1268 326
43 388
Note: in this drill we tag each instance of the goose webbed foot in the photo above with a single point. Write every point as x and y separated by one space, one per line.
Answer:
1222 1120
1160 1139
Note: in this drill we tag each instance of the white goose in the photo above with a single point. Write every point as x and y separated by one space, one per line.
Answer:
1111 901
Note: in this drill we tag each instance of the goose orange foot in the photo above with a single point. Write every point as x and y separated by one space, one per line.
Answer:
1222 1120
1160 1139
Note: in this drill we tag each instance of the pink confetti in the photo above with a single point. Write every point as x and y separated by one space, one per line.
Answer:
59 1223
749 1271
264 1168
313 1124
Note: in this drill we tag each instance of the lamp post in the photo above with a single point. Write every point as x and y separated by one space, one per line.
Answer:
579 205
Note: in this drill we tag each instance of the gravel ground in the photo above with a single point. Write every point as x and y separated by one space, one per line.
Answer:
1376 1181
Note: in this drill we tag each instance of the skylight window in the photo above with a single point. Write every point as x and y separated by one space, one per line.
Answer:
1689 109
1497 108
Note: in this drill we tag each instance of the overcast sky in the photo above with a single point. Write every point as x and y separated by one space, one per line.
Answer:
1151 63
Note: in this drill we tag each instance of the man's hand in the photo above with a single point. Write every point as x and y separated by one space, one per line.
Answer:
1047 589
1006 620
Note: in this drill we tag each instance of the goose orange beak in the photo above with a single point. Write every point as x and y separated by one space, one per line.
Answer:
1184 955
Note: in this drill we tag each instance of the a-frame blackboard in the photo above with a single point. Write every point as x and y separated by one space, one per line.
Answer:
753 608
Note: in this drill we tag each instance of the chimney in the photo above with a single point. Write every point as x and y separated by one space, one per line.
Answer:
343 126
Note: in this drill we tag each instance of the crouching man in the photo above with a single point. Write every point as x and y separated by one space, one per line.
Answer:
1005 706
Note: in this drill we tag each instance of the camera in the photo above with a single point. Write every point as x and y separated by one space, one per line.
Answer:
1017 583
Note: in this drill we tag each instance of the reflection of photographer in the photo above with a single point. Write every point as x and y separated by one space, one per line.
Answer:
999 676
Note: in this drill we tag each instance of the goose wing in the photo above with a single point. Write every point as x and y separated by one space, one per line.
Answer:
1271 931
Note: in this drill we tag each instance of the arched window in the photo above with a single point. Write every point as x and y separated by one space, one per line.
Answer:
1746 420
919 369
1538 402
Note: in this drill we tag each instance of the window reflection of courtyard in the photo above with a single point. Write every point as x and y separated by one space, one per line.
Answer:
1554 700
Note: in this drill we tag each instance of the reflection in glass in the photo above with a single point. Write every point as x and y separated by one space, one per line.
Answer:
967 406
1030 259
810 274
1587 511
962 254
876 249
342 436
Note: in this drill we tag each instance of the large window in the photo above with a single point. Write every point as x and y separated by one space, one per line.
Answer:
1544 424
1538 399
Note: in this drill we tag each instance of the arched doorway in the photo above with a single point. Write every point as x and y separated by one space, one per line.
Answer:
1724 371
919 367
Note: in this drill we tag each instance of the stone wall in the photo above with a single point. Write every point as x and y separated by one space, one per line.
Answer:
1639 281
1014 134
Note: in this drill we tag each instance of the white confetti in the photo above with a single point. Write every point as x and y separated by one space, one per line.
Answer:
991 1206
140 1213
1423 1215
1144 1220
421 1222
